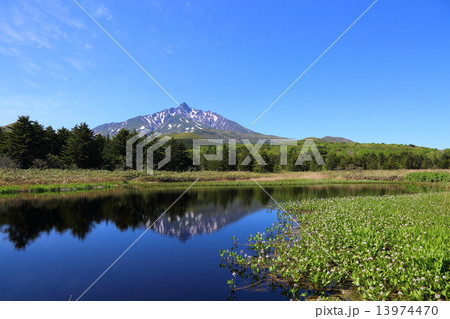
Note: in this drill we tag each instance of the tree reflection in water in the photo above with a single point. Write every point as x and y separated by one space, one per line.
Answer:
24 219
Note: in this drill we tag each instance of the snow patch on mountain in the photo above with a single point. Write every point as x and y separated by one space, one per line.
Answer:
187 120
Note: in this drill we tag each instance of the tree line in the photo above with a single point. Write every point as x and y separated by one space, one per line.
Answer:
28 144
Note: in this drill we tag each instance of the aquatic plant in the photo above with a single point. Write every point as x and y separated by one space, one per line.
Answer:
370 248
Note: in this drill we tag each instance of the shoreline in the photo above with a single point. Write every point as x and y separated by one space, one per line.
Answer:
16 182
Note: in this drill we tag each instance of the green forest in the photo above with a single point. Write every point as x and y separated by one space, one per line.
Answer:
28 144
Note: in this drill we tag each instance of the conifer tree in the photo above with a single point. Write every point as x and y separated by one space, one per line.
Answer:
2 141
83 149
180 158
62 135
25 142
114 152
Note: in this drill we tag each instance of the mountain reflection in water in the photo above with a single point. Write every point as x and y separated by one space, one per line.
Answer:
24 219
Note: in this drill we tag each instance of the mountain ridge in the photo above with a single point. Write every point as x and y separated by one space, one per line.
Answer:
185 121
182 119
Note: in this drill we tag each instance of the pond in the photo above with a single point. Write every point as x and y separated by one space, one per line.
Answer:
54 246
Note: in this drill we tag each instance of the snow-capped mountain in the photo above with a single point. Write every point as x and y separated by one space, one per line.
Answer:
182 119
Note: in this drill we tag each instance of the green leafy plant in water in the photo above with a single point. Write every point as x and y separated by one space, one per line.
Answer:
371 248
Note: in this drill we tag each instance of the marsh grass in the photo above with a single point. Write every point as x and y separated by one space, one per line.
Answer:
430 177
59 176
11 190
14 181
384 248
381 175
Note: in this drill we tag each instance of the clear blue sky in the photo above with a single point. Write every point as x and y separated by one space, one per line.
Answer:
387 80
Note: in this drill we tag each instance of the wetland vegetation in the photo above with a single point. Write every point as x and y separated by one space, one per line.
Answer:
363 248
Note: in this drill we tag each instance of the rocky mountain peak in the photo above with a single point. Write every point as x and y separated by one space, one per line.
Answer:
182 119
184 107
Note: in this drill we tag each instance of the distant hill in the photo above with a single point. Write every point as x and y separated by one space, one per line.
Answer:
330 139
336 139
212 133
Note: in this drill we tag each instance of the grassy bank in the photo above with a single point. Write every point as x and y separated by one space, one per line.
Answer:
371 248
55 188
54 180
16 177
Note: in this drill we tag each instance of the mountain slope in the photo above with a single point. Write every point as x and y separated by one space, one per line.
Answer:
182 119
329 139
185 122
336 139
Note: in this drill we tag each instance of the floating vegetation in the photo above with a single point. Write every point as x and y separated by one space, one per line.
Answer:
367 248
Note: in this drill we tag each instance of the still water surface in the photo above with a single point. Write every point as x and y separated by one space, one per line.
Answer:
55 246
